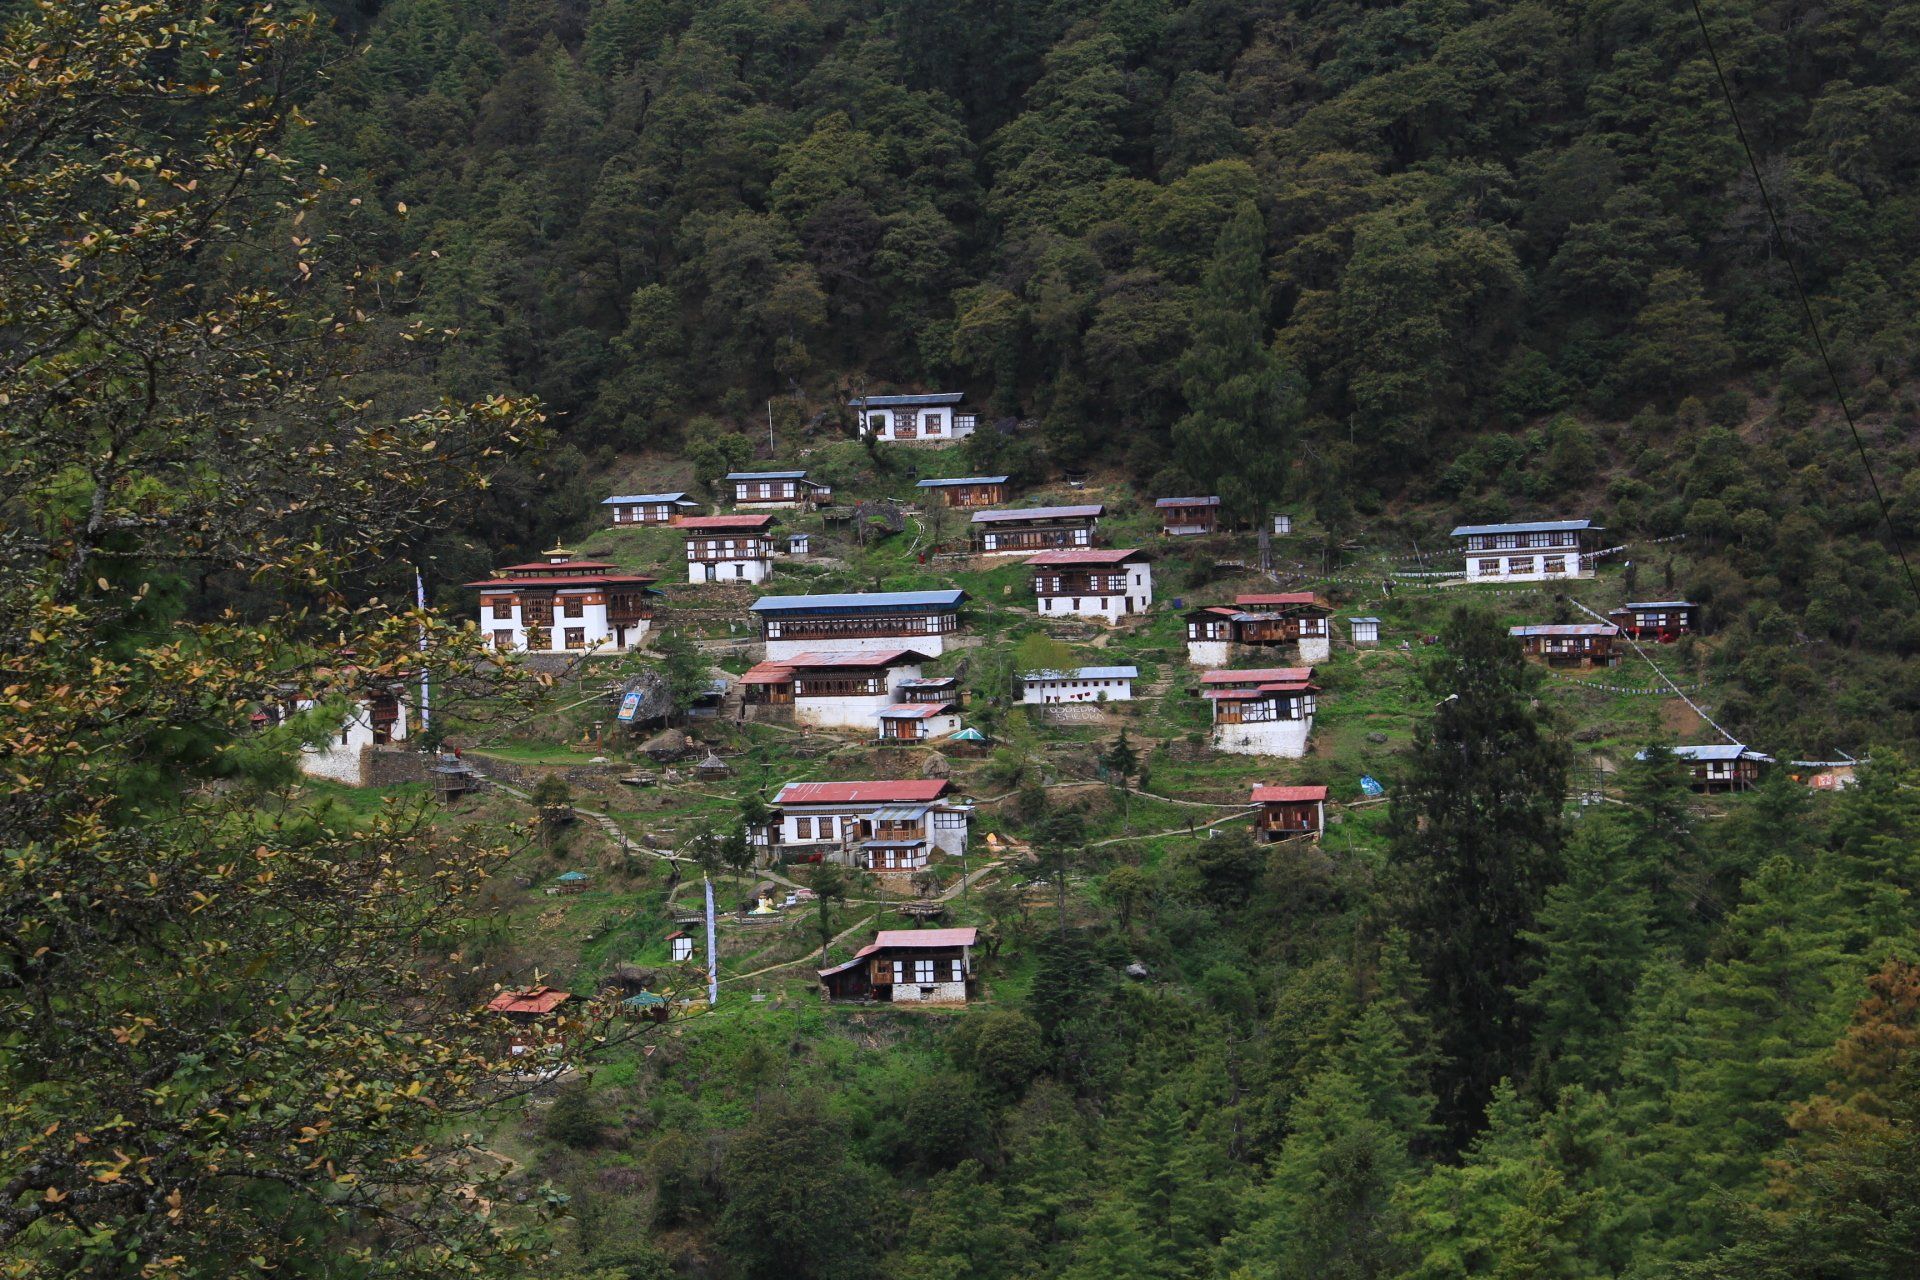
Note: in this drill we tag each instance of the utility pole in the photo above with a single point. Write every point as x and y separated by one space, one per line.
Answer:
420 600
713 951
772 448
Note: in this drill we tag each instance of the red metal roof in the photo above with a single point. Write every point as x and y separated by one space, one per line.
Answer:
532 1000
1239 694
858 658
1086 555
915 710
1270 599
768 673
584 566
566 580
926 937
1258 675
878 792
726 522
1287 795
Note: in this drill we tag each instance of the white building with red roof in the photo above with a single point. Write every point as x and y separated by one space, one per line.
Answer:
1268 712
737 548
834 690
880 825
907 966
563 605
1089 582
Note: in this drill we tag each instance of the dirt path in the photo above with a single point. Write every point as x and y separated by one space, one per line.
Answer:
1247 811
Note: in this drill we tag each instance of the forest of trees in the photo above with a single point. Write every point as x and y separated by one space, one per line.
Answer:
1491 258
1388 260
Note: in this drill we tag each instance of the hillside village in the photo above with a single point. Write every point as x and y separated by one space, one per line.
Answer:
873 702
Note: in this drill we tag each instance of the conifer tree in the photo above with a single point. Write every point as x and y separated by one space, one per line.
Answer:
1476 831
1242 399
1593 942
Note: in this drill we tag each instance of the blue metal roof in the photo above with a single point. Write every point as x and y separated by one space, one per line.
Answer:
1532 526
766 475
624 498
942 484
1093 510
860 600
1712 751
887 402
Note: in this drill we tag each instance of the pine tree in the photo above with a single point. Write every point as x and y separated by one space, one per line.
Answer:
1242 400
1659 820
1476 829
1504 1210
1593 943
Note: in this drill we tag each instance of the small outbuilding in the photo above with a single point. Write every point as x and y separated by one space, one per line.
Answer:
1289 813
1366 632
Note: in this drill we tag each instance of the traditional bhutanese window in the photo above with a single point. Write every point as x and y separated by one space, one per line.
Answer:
503 608
576 637
923 971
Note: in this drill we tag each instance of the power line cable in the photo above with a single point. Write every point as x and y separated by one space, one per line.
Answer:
1806 305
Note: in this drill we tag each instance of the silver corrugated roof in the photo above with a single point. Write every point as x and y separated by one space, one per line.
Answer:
1532 526
861 600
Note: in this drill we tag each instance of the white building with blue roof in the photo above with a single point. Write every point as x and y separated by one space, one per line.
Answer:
934 418
853 621
1532 551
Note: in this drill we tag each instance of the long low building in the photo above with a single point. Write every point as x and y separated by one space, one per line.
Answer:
881 825
650 508
967 491
1025 529
834 690
849 622
1080 684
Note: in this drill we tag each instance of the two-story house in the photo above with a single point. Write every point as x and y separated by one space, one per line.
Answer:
736 548
921 620
907 966
1289 813
1092 583
1019 530
1187 517
833 690
1533 551
1720 766
1270 718
1260 621
935 418
1662 621
878 826
564 605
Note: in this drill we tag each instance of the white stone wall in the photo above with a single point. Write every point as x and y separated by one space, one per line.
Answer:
1108 608
700 572
1039 692
1534 572
1209 653
1286 738
930 993
931 727
1315 649
841 712
338 759
932 645
951 841
593 620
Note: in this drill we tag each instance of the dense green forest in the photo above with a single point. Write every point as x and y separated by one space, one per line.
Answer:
1513 262
291 302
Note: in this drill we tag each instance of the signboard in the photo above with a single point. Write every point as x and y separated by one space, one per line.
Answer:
630 707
